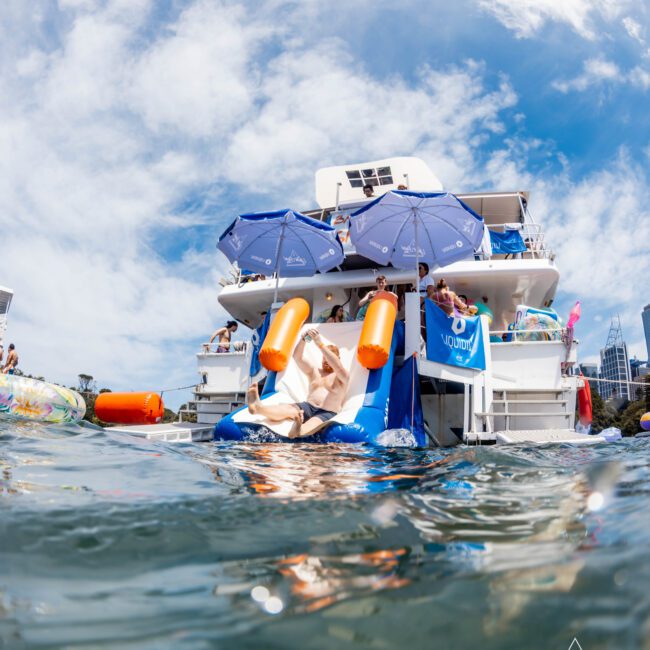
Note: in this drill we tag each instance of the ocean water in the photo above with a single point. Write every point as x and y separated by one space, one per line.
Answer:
108 541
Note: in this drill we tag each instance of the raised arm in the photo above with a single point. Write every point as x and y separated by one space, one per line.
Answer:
366 298
299 356
330 357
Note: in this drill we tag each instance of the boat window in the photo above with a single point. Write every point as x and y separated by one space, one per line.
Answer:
370 176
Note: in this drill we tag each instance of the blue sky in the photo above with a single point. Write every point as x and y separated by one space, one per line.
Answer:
132 131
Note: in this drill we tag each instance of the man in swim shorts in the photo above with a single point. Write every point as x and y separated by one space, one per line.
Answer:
327 388
12 360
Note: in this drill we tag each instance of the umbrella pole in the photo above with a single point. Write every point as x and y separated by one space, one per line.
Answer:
278 251
417 254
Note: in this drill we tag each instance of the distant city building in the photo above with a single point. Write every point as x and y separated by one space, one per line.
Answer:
639 370
645 317
615 365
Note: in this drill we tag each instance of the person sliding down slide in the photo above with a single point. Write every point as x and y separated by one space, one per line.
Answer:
327 388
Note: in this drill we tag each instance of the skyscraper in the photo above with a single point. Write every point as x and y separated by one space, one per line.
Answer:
645 316
615 364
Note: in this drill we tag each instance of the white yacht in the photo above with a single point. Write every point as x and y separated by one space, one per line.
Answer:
525 392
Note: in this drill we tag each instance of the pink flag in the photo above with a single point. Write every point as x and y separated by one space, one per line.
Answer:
574 315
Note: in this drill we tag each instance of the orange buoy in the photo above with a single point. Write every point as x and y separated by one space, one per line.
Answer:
282 334
129 408
585 408
377 331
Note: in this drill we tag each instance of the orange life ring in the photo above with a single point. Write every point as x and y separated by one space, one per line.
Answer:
585 407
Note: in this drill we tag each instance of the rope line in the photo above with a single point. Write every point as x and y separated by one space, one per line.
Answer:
171 390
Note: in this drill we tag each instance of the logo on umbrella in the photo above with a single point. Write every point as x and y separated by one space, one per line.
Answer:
237 241
469 226
361 222
293 259
409 250
378 246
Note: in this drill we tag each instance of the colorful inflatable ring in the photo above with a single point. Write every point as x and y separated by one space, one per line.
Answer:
22 398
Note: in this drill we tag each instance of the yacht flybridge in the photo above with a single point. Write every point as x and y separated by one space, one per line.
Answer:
523 392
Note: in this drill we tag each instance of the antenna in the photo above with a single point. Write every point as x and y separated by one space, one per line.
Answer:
615 335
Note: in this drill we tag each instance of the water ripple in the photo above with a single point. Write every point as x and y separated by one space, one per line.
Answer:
111 541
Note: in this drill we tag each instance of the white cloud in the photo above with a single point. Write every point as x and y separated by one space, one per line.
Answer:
634 29
600 71
197 79
594 71
310 120
527 17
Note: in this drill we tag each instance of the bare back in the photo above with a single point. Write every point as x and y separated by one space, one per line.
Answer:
12 359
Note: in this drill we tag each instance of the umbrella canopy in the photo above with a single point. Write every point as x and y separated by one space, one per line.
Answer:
286 242
404 228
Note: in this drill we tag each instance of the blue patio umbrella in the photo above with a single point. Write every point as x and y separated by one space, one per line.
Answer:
284 242
405 228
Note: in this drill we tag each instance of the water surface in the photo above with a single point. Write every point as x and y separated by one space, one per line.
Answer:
110 541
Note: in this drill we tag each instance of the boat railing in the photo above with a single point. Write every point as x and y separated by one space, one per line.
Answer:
533 237
542 335
238 348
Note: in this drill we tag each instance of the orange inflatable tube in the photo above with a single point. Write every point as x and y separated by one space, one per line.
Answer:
282 334
377 331
585 407
129 408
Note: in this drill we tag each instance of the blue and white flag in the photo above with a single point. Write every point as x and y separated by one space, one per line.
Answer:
454 340
507 242
256 341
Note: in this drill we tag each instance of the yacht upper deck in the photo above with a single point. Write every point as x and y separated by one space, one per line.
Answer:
530 277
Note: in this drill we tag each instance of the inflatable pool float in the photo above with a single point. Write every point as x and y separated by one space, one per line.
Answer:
22 398
538 327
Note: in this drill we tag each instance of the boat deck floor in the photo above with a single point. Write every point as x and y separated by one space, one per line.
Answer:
170 431
542 436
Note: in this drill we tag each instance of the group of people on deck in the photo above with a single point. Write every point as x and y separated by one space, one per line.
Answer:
450 302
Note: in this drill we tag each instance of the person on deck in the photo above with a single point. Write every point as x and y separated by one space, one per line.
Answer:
447 300
224 334
337 315
426 284
327 389
382 285
369 191
12 361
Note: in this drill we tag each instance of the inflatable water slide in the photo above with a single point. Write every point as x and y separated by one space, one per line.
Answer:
367 349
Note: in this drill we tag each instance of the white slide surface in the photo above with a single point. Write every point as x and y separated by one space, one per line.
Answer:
292 385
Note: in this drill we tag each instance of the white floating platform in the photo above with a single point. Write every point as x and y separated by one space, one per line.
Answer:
542 436
169 432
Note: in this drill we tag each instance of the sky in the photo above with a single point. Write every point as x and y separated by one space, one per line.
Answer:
133 131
